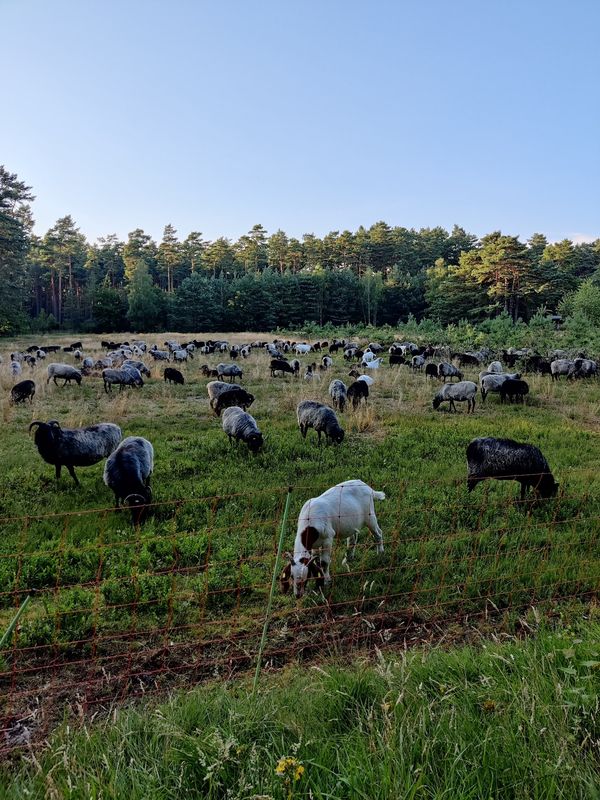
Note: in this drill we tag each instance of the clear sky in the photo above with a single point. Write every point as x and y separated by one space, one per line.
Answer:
307 116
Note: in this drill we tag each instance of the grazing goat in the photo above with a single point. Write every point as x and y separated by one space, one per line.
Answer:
312 414
342 510
241 426
504 460
64 371
74 447
127 473
457 393
22 391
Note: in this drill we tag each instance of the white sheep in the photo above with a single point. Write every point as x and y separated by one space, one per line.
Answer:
342 510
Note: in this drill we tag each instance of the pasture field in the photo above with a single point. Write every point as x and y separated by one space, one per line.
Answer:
198 571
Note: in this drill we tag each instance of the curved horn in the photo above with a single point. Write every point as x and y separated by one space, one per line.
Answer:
35 422
54 423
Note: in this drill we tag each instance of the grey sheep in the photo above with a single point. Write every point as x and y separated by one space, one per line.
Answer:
505 459
241 426
127 472
447 370
64 371
121 378
339 394
561 366
139 365
74 447
231 371
312 414
457 392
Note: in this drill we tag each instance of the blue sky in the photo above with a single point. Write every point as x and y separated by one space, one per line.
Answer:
307 116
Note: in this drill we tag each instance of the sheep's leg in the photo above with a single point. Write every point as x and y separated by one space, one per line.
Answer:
57 468
523 490
72 474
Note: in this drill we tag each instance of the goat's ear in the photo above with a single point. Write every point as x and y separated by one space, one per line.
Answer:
315 570
285 579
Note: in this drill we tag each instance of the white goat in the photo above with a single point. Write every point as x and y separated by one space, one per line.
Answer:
343 510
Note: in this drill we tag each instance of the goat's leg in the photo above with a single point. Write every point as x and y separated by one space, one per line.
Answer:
373 526
351 543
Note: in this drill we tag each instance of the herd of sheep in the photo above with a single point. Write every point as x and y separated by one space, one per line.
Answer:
344 509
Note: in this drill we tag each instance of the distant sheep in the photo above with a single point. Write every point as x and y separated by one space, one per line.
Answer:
354 373
496 367
431 370
583 368
15 369
464 391
74 447
139 365
447 370
223 395
173 375
64 371
513 390
25 390
312 414
282 366
338 394
561 366
208 372
121 378
127 473
160 355
340 511
231 371
241 426
357 392
505 459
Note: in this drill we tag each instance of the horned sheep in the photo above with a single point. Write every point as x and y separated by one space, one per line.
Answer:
127 473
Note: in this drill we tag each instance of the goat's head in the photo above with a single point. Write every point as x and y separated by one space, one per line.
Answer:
299 572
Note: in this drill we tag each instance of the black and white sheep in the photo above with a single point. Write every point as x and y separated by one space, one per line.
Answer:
22 391
461 392
241 426
127 473
121 378
340 511
312 414
339 394
74 447
505 459
173 376
64 371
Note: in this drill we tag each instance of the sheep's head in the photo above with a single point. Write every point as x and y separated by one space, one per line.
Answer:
338 437
138 503
436 402
255 442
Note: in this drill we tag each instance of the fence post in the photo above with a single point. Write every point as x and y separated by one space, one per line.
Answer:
14 621
263 638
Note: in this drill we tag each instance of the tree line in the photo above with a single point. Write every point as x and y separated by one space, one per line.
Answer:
378 275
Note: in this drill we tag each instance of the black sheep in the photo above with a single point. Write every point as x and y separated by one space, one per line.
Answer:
505 460
22 391
173 376
513 389
357 392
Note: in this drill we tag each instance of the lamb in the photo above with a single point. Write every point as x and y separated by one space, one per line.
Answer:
561 366
127 472
74 447
173 376
22 391
241 426
447 370
505 459
312 414
342 510
281 365
64 371
338 394
121 378
208 372
358 391
231 371
457 392
513 389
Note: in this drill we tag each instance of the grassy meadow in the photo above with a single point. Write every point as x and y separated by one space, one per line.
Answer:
194 579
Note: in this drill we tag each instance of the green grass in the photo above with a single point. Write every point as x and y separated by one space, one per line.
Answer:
512 720
200 568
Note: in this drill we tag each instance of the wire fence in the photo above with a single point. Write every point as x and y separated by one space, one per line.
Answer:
114 611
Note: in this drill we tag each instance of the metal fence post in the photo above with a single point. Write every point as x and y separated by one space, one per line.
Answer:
263 638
